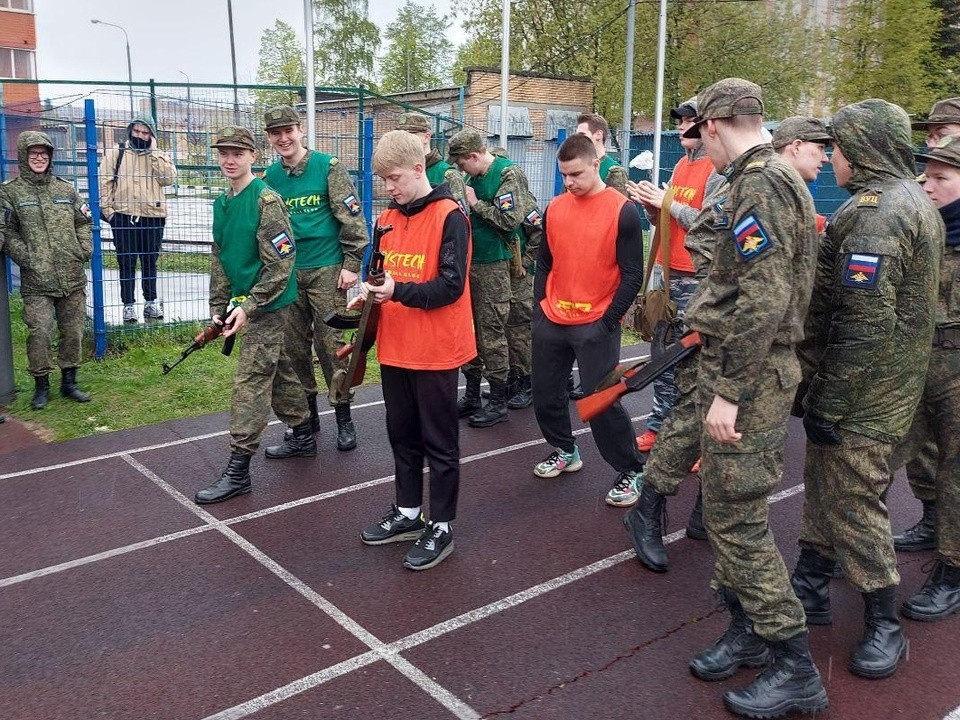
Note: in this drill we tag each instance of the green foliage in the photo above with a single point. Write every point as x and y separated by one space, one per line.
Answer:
943 64
281 63
346 43
419 53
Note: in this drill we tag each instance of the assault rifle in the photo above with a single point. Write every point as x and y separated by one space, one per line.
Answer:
210 333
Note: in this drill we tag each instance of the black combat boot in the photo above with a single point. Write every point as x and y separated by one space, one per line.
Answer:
301 443
574 391
811 583
695 528
791 683
68 386
645 524
495 411
883 643
737 647
346 432
470 402
41 392
923 535
939 596
523 394
314 418
512 377
234 481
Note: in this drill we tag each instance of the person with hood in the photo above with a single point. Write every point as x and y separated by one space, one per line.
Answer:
45 228
867 346
425 334
132 178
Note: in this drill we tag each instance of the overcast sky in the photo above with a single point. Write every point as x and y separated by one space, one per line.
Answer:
166 37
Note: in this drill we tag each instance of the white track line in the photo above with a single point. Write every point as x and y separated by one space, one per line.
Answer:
953 714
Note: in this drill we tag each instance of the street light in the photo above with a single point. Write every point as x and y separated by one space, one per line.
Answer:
129 65
188 103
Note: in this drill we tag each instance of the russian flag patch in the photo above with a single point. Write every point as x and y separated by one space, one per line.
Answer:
862 271
283 244
751 239
505 202
352 204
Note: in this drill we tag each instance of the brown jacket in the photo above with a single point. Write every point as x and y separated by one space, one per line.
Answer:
138 190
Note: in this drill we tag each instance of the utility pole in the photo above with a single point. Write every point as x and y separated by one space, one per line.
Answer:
504 74
628 85
233 64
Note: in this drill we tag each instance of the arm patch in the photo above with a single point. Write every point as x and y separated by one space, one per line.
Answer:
352 204
505 202
283 244
861 270
752 241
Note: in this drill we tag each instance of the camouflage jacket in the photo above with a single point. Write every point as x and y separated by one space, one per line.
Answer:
46 226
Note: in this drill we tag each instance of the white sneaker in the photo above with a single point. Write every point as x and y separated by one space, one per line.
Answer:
153 310
129 314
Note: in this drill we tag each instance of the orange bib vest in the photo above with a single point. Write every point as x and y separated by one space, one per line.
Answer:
413 338
688 183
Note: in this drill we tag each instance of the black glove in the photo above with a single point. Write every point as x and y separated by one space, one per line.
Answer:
820 431
797 409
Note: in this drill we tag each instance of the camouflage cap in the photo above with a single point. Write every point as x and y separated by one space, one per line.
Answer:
280 116
413 122
947 151
726 98
799 127
943 112
465 141
234 136
686 109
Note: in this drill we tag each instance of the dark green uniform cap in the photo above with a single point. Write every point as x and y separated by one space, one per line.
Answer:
465 141
280 116
686 109
947 151
234 136
943 112
798 127
726 98
413 122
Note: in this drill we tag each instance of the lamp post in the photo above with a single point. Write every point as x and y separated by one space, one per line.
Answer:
188 102
129 65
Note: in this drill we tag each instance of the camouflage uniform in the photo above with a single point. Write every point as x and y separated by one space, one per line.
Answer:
614 174
868 341
47 230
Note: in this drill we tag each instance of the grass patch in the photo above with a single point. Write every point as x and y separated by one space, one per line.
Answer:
168 261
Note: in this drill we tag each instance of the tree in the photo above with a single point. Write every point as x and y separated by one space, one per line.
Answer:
944 65
346 43
419 52
281 63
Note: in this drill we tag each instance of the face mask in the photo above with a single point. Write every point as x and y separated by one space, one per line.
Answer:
138 143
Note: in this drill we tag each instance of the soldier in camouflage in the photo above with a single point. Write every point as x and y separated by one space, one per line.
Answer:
438 170
252 275
45 227
331 234
596 128
868 340
750 310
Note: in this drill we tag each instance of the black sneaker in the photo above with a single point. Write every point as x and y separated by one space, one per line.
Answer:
393 527
433 546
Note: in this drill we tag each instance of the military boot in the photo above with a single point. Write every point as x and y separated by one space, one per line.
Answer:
41 392
923 535
939 596
811 583
68 386
346 432
523 394
301 443
695 528
883 643
470 402
791 683
737 647
574 391
235 480
512 377
495 411
314 418
645 524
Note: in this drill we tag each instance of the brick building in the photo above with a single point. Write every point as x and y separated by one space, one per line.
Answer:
18 47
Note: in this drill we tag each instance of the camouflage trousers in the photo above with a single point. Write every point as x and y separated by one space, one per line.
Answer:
264 379
932 449
518 323
490 297
678 442
665 391
736 481
43 314
317 294
844 515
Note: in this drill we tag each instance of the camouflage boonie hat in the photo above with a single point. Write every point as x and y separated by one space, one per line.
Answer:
465 141
686 109
798 127
280 116
726 98
413 122
234 136
947 151
943 112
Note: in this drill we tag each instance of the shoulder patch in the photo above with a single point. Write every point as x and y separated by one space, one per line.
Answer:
85 211
352 204
283 244
755 164
334 161
869 199
751 239
534 218
270 196
505 202
862 270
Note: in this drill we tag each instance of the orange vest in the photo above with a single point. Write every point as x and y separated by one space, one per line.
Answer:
413 338
821 223
688 183
582 236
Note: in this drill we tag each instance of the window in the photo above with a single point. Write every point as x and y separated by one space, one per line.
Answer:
25 5
17 63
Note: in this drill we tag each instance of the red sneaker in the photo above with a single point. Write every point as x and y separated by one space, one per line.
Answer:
696 467
645 441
